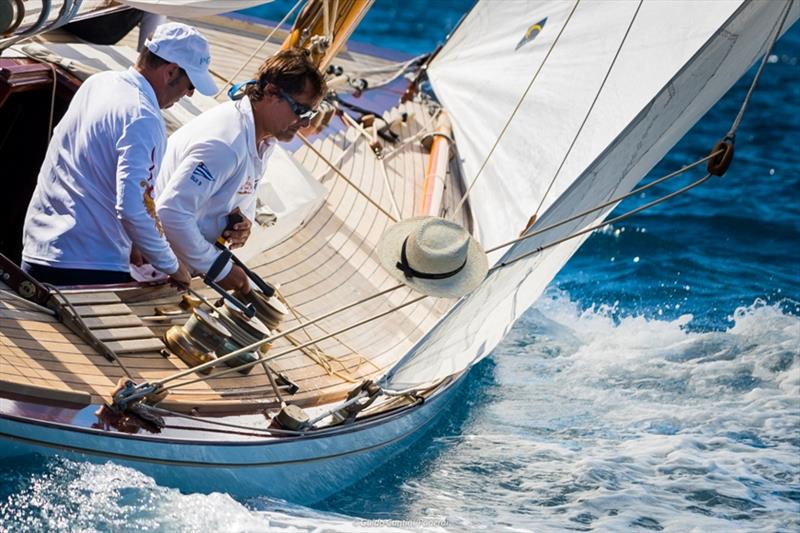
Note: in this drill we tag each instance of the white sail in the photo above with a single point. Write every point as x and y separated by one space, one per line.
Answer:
191 8
621 85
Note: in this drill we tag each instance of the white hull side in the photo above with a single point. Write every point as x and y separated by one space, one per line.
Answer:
302 470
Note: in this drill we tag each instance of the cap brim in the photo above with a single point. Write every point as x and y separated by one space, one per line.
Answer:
467 280
203 82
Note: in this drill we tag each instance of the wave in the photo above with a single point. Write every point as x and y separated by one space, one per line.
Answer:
581 419
58 494
615 422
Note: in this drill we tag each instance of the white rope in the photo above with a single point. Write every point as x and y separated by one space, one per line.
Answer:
779 26
379 160
345 178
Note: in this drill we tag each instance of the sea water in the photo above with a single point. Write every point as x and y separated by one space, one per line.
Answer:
655 386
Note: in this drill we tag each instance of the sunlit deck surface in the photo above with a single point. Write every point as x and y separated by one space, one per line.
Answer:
327 263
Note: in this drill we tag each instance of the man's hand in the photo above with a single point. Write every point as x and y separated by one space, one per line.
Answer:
182 277
237 236
236 280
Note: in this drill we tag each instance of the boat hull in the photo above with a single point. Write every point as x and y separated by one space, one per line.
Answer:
297 469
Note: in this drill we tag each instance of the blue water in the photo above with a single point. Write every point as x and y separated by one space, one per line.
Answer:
656 386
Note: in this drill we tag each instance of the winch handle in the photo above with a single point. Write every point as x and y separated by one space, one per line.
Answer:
265 287
216 267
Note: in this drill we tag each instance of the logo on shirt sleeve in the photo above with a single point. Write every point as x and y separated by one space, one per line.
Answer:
147 195
201 173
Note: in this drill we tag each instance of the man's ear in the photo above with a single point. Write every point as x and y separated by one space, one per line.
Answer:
171 72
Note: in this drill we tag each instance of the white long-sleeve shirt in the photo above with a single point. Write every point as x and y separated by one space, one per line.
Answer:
212 165
94 194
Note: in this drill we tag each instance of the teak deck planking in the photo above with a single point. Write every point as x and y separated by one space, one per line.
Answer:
328 262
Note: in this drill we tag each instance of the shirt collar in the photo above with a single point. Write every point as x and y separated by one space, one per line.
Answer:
135 77
246 109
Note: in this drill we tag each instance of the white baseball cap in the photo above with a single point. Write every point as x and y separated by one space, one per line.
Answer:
183 45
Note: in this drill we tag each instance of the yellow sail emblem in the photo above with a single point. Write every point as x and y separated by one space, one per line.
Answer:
531 33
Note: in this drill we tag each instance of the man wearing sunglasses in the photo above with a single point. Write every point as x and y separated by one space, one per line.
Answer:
213 164
93 200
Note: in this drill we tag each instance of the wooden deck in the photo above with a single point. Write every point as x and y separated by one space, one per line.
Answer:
327 263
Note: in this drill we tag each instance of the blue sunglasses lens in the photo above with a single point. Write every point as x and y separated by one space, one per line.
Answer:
303 112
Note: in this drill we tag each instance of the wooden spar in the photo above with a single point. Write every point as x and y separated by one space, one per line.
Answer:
348 25
436 170
311 23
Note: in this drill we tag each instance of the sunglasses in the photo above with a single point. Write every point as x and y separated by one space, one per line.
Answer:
303 112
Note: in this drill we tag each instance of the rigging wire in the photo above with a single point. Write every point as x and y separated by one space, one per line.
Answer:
258 48
161 383
607 222
615 200
589 111
514 112
779 25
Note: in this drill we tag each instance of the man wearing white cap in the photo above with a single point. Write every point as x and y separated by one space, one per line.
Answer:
94 196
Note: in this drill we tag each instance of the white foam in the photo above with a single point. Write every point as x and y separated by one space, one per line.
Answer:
619 422
589 420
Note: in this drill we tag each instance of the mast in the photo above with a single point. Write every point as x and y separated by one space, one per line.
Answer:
323 27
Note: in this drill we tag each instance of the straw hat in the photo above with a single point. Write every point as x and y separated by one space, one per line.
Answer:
433 256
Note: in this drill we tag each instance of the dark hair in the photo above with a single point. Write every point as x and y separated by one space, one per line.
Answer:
148 59
288 69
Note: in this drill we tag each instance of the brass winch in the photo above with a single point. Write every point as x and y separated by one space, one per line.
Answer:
205 337
196 341
269 310
244 332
